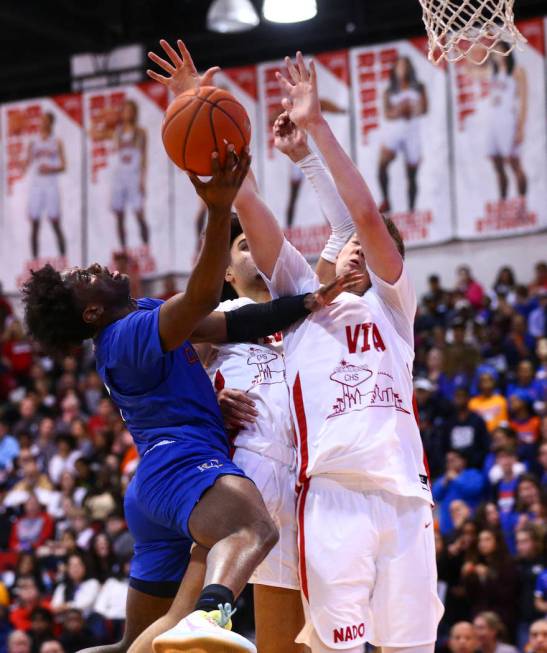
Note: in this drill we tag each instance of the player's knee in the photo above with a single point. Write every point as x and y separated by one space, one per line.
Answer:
266 533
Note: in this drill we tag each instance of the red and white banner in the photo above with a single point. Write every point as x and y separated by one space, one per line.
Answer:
285 190
128 208
499 127
42 186
401 124
190 214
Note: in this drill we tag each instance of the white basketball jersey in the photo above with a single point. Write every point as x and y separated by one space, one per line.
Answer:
45 151
129 152
503 93
259 370
410 95
349 371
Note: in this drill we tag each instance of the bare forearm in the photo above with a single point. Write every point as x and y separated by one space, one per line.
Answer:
205 283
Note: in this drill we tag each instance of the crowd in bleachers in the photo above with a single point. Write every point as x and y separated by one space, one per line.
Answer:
481 390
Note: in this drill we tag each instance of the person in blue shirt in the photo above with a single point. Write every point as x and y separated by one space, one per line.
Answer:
456 483
186 488
9 448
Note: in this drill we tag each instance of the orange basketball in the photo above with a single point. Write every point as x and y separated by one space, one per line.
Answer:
201 121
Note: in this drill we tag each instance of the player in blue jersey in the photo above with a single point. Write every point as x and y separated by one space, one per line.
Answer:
186 487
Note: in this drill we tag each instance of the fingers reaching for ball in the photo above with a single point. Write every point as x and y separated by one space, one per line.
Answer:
220 191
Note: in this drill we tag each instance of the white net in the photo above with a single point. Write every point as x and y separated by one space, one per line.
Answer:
469 28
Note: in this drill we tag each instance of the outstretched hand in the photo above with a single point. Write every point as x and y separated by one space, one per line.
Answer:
301 99
220 191
327 294
182 73
289 139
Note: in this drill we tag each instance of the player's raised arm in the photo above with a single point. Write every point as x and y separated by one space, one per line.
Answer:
262 230
302 103
292 141
180 315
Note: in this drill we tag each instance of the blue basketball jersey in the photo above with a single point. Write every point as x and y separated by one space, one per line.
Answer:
161 395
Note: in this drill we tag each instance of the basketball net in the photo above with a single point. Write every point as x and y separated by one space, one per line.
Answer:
470 29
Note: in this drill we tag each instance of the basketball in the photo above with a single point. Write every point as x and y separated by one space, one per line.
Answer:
201 121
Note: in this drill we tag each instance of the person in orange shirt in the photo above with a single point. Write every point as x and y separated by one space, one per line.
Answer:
27 598
526 425
490 405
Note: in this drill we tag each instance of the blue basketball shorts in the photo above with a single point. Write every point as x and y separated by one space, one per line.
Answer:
171 478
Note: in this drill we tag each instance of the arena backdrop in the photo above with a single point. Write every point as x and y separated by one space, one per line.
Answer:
285 190
500 146
401 136
42 159
127 177
189 212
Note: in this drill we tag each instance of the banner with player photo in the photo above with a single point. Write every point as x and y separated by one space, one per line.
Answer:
190 214
401 134
127 179
41 185
500 141
286 192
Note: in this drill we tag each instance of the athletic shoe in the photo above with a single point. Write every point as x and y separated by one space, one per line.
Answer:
204 632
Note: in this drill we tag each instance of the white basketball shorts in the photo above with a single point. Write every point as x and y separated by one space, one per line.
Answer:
367 567
276 482
500 135
403 136
44 199
126 192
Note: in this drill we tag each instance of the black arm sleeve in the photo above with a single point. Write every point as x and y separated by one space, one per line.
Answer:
253 321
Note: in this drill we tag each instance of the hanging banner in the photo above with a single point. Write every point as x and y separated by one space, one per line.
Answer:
127 178
42 154
499 135
190 214
401 125
285 190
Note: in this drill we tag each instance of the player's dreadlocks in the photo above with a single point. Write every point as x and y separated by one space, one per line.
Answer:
52 315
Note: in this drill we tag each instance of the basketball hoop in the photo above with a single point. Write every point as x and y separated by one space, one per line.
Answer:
470 29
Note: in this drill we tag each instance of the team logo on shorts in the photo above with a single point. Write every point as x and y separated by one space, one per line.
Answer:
210 464
348 633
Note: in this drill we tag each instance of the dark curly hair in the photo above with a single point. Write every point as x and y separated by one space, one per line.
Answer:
52 314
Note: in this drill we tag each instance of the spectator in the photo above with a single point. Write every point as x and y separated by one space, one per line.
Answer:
27 599
32 482
542 459
9 449
491 582
525 424
75 635
540 593
471 289
505 283
79 523
460 357
433 409
64 459
111 602
537 642
33 528
41 628
503 437
526 380
104 562
17 350
491 634
52 646
529 568
122 541
540 280
490 405
462 638
505 490
519 344
457 483
465 431
19 642
29 419
78 590
66 491
537 320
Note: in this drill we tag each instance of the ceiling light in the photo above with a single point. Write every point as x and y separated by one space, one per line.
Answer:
289 11
231 16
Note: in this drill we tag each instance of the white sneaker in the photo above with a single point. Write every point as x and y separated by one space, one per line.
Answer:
202 632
